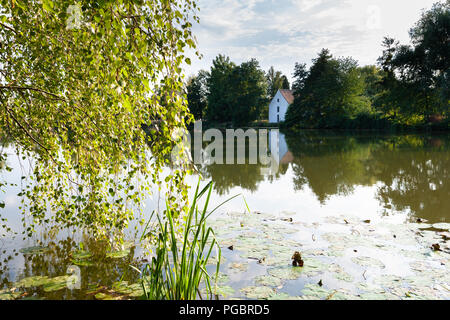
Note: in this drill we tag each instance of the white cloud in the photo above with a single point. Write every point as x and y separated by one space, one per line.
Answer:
282 32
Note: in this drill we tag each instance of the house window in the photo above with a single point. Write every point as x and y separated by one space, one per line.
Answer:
278 100
278 118
278 109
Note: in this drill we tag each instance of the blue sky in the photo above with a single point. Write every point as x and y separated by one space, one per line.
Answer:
282 32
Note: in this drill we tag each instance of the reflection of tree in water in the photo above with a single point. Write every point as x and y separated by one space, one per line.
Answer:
413 170
225 177
417 179
54 262
329 164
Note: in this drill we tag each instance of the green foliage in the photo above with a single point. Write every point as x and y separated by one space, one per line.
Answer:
197 94
417 77
410 89
77 83
275 81
330 92
181 254
236 94
219 93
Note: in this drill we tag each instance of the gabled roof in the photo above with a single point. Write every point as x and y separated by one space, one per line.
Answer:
288 95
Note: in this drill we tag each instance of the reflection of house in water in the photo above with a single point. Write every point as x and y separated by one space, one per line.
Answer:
279 152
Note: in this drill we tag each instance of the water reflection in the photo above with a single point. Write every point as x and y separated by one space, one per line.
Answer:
407 172
58 257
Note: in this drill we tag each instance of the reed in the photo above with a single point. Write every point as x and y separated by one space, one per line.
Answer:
178 268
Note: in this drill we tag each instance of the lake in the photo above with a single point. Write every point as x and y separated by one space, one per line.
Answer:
363 209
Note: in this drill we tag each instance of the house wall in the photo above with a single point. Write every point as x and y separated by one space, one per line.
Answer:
283 104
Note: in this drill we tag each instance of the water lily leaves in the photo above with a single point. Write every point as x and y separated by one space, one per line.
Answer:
81 255
213 260
34 281
339 273
9 294
82 263
340 241
121 287
118 254
368 262
286 272
340 295
56 283
224 291
34 250
442 225
136 290
81 258
283 296
48 284
238 267
105 296
316 291
267 280
378 296
221 278
261 292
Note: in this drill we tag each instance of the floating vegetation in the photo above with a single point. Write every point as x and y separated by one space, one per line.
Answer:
267 280
261 292
347 258
9 294
368 262
286 273
34 281
348 249
224 291
118 254
238 267
34 250
82 258
315 291
48 284
56 283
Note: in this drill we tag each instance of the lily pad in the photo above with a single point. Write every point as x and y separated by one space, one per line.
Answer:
56 283
34 281
118 254
368 262
81 255
316 291
34 250
225 291
286 272
9 294
262 292
268 281
238 267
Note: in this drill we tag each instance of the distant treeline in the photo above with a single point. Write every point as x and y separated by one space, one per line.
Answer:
409 86
232 93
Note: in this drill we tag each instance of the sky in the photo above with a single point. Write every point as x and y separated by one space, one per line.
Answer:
280 33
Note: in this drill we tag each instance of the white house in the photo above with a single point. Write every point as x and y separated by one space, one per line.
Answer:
279 105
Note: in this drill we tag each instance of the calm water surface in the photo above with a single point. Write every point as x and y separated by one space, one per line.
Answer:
381 178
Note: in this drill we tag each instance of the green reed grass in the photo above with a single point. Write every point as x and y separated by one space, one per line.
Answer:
178 268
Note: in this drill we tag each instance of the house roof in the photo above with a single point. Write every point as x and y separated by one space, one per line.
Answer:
288 95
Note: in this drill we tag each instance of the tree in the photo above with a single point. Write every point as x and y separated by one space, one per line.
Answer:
418 74
237 94
218 84
77 85
247 92
275 81
330 92
197 94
